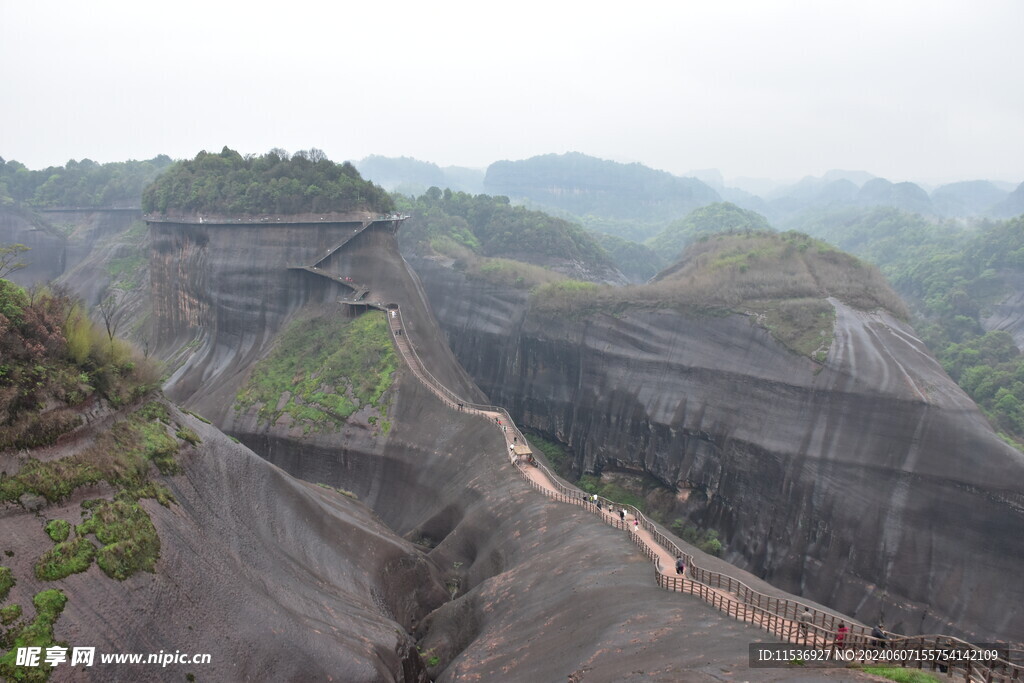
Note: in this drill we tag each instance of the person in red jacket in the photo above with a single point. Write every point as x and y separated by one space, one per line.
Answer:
841 635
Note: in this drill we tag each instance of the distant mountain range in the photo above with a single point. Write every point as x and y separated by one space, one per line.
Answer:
635 202
411 176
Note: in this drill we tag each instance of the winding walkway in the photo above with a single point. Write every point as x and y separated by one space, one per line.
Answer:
778 616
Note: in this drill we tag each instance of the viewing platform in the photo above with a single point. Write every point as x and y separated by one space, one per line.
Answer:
92 209
272 219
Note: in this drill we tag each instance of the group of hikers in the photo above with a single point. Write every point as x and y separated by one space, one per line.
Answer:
596 501
840 640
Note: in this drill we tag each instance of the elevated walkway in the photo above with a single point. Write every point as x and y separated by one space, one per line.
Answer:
273 219
779 616
358 291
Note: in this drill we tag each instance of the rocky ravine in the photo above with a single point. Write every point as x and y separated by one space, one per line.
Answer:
872 485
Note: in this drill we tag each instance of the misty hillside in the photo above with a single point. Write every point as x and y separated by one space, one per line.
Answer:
967 198
702 222
80 184
588 187
409 176
1013 205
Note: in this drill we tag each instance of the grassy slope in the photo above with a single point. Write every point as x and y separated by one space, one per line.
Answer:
322 370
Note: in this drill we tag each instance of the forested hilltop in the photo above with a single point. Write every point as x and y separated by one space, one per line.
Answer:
484 233
271 183
79 184
627 200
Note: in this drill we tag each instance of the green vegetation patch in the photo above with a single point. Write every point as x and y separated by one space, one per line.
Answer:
323 370
54 480
511 273
10 614
553 452
614 492
58 530
198 417
804 325
52 358
187 435
128 537
6 582
65 559
39 633
901 675
705 539
128 273
120 456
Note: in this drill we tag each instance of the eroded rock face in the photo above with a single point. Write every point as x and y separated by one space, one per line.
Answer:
1008 314
45 260
275 578
873 485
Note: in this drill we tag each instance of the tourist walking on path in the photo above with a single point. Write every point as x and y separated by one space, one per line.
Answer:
805 618
879 635
680 565
841 635
622 514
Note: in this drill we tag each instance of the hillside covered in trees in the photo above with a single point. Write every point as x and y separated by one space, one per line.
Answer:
468 227
707 220
80 184
627 200
271 183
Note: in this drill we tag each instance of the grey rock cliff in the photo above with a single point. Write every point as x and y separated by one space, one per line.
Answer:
873 485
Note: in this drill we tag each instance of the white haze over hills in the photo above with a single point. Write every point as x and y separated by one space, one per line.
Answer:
922 90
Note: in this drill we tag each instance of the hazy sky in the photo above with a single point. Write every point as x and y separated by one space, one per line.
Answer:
906 89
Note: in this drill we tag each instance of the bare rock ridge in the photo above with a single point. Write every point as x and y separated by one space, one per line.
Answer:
873 485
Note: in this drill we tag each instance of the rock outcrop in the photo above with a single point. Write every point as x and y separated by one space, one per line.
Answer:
871 484
1008 314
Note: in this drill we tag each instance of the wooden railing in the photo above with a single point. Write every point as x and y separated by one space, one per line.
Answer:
779 616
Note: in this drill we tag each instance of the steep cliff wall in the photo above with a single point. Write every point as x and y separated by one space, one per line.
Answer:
873 484
46 259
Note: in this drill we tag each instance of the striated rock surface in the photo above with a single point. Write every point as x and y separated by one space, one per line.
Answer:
1008 314
46 259
275 578
872 484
